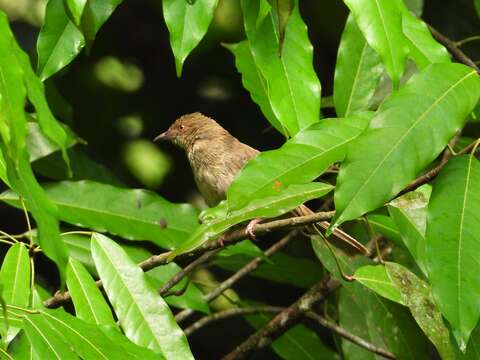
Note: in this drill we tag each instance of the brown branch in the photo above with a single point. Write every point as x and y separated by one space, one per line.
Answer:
350 337
229 238
453 49
283 321
230 313
430 175
247 269
187 270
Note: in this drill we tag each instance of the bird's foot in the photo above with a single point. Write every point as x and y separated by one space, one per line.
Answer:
249 230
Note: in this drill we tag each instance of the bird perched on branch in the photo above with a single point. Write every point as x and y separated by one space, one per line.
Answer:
216 157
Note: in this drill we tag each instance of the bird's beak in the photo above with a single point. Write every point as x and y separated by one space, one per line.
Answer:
165 136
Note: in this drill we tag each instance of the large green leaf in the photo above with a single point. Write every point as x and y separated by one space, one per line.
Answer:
417 295
392 151
15 282
379 321
292 86
87 340
59 40
187 23
39 146
143 314
95 13
87 298
253 80
46 343
132 214
381 23
75 9
286 200
357 72
300 160
453 240
13 131
477 6
409 212
424 50
375 277
54 131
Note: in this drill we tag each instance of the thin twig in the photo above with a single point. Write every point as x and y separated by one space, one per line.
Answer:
453 49
350 337
430 175
247 269
230 313
229 238
187 270
283 321
467 40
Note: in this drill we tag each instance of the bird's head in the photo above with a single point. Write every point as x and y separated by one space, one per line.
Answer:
189 128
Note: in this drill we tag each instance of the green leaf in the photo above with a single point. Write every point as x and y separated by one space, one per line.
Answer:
385 225
253 80
21 348
286 200
300 160
132 214
143 314
15 276
453 239
86 339
379 321
15 283
298 342
75 9
187 23
417 295
46 342
477 6
95 13
59 40
424 50
79 249
375 277
381 24
409 212
292 86
40 146
392 150
13 130
53 130
357 72
87 298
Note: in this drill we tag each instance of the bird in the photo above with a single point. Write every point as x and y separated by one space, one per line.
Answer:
216 157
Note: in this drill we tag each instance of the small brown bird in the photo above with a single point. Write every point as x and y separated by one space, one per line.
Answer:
216 157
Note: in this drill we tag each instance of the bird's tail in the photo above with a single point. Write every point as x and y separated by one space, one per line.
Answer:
303 210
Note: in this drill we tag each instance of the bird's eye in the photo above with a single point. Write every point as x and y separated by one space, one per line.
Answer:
182 127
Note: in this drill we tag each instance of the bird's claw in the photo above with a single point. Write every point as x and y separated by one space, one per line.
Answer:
249 230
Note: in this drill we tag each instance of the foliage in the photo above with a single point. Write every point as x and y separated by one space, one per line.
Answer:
402 105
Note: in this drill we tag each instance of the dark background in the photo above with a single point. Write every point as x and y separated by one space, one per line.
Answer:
136 34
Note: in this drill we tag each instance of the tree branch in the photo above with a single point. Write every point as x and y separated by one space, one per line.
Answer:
251 266
230 313
283 321
230 238
453 49
350 337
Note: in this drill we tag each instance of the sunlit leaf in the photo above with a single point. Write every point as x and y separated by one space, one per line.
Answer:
75 9
357 72
381 24
286 200
409 212
391 152
300 160
59 40
375 277
453 240
132 214
87 298
293 88
187 23
143 314
95 13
